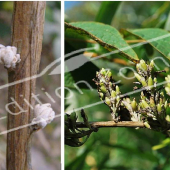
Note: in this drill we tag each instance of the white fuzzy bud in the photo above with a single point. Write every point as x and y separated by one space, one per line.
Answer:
9 56
44 114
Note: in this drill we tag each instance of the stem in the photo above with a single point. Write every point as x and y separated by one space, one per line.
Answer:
27 35
111 124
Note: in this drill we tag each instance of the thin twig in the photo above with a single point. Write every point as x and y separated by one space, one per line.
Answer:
111 124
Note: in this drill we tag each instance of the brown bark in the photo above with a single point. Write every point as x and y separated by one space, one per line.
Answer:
27 35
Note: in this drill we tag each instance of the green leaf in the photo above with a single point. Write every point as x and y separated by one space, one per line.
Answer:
158 38
107 11
105 35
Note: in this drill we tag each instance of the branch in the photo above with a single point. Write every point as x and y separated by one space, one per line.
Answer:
129 124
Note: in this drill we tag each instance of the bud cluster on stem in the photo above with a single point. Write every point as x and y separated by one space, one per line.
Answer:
9 57
151 109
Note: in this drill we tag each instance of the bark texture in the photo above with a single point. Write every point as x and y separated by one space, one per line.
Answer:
27 35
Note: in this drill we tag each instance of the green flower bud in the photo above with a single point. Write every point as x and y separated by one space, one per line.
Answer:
160 101
144 104
118 98
150 82
107 101
143 82
155 81
134 105
147 125
143 65
103 71
117 90
159 109
101 95
142 96
109 74
151 64
103 89
113 94
138 76
140 79
166 104
162 94
152 102
138 67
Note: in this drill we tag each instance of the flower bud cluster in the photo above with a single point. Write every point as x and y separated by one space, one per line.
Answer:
144 75
153 104
151 109
44 114
9 56
109 93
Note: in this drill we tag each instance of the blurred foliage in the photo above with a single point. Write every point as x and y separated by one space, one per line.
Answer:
107 8
116 148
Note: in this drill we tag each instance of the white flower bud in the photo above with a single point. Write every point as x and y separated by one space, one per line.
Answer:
44 114
1 46
9 56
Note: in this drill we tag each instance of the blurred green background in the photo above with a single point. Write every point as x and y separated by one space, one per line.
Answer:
115 148
46 143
